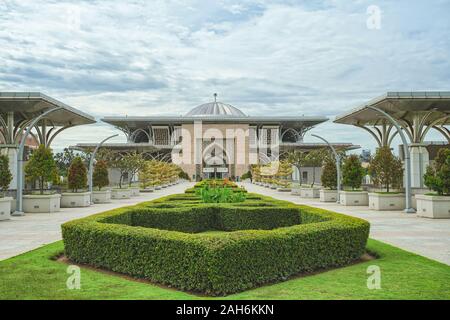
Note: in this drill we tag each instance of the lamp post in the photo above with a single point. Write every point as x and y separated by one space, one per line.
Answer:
20 178
406 154
91 163
338 165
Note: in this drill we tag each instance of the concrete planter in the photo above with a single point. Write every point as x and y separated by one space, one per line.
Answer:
295 191
75 199
135 191
354 198
120 193
102 196
435 207
309 192
273 187
327 195
158 188
386 201
147 190
284 189
46 203
5 208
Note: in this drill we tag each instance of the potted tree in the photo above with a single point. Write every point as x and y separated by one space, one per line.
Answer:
77 181
135 164
352 175
386 172
100 180
297 159
41 168
120 163
328 178
5 180
437 178
283 176
313 159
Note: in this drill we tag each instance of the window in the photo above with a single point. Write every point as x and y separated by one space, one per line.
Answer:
305 176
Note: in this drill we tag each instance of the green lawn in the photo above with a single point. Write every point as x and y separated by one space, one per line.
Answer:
404 275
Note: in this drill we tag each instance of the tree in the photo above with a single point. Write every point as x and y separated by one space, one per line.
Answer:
385 169
41 167
437 177
5 174
100 177
135 164
256 172
77 178
314 159
297 158
283 174
65 158
120 163
352 172
329 173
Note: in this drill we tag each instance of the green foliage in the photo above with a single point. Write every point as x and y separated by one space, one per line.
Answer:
5 174
247 175
329 174
284 174
437 177
100 177
385 169
41 167
64 159
159 241
352 172
184 175
77 178
220 194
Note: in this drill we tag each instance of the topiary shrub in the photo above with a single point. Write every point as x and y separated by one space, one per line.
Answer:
265 244
100 177
5 175
352 172
437 177
77 177
329 174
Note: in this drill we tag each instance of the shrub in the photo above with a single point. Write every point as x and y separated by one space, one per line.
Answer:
352 172
220 194
100 176
5 174
77 178
386 169
437 177
137 241
247 175
329 174
41 167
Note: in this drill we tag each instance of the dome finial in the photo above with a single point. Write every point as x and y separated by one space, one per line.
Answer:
215 97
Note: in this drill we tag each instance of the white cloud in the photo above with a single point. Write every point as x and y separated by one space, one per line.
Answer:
141 57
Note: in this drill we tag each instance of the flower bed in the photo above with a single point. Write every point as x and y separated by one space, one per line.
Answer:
266 240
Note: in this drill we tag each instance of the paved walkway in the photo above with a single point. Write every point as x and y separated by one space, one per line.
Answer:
426 237
22 234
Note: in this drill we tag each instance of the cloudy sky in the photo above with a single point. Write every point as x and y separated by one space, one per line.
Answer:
264 57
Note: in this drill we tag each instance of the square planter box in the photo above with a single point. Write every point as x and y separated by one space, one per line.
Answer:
295 191
328 195
147 190
386 201
284 189
158 188
5 208
436 207
273 187
135 191
75 199
120 193
46 203
101 196
309 192
354 198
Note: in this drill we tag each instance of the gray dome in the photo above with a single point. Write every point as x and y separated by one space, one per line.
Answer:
215 109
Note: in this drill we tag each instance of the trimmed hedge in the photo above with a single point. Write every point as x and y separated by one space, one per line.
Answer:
132 241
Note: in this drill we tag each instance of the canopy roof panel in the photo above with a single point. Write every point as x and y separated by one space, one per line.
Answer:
401 106
28 105
144 122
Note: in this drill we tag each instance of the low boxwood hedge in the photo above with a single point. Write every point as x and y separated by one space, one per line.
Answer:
162 241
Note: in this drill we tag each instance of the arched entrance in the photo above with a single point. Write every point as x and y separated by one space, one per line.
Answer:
215 162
